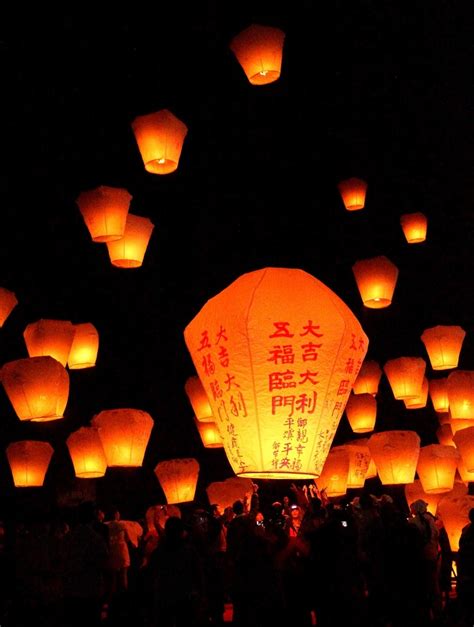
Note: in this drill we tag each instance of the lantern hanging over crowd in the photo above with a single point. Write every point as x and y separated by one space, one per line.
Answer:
209 433
396 455
84 348
259 50
353 192
104 210
178 479
361 410
436 467
454 512
160 137
368 379
29 461
461 394
87 453
49 337
124 434
414 226
438 391
359 458
371 469
414 491
376 279
335 473
129 251
38 388
443 344
8 302
405 375
198 399
225 493
240 343
418 402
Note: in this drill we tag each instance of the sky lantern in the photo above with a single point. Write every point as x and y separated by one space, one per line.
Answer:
466 476
361 411
464 441
414 491
418 402
259 50
209 433
87 453
368 379
84 348
461 394
395 454
49 337
160 137
335 473
438 391
129 251
124 434
371 469
104 210
405 375
353 192
436 468
414 226
38 388
444 433
178 479
359 458
277 352
443 344
8 302
454 512
29 461
198 399
225 493
376 279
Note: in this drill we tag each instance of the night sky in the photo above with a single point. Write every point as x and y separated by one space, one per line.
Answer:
366 90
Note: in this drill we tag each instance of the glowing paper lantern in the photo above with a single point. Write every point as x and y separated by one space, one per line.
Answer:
124 434
371 469
277 352
29 461
8 302
464 441
444 433
105 211
225 493
414 491
335 472
359 458
129 251
376 279
459 424
259 50
396 455
368 379
466 476
87 453
405 375
353 192
84 348
50 337
178 479
443 345
461 394
160 137
198 399
454 512
438 390
210 436
414 226
418 402
361 410
436 467
38 388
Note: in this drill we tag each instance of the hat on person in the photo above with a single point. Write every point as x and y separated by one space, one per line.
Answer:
419 506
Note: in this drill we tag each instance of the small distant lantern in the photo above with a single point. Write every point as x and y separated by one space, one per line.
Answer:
49 337
414 491
438 390
371 469
198 399
84 348
105 211
87 453
444 433
353 192
335 473
259 50
361 410
225 493
38 388
129 251
461 394
454 512
376 279
464 441
178 479
418 402
124 434
245 332
406 376
8 302
368 379
210 436
160 137
443 345
414 226
396 455
29 461
436 467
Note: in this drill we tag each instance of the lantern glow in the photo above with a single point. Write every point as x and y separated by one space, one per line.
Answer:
8 302
443 345
361 410
368 379
124 434
209 433
87 453
376 279
259 50
436 467
414 226
49 337
105 211
353 192
29 461
84 348
129 251
198 399
396 455
406 376
178 479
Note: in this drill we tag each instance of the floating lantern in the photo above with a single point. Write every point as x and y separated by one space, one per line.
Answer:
87 453
225 493
105 211
461 394
376 279
178 479
414 226
359 458
129 251
84 348
335 473
361 410
395 454
353 192
436 467
444 433
371 469
438 390
368 379
443 345
49 337
405 375
29 461
459 424
198 399
418 402
464 441
210 436
454 512
259 50
8 302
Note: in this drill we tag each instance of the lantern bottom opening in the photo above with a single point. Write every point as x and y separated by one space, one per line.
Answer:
45 418
278 475
265 77
161 166
377 303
